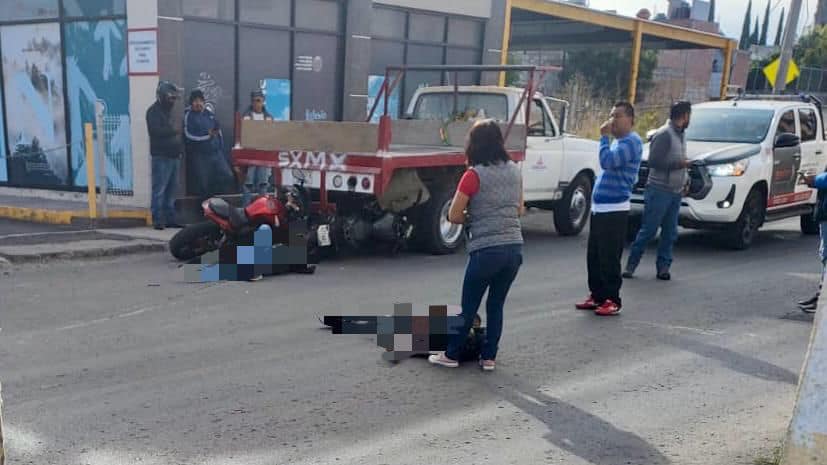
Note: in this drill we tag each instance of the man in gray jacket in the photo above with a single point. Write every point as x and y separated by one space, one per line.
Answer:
664 191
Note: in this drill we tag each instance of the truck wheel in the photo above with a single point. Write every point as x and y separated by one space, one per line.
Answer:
742 234
809 226
434 232
572 212
194 240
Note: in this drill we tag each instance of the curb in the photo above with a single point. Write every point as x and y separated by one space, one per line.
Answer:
68 217
90 253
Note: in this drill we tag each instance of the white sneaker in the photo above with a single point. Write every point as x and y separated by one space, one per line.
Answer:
441 359
487 365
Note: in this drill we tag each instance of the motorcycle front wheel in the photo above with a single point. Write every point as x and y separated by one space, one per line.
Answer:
195 240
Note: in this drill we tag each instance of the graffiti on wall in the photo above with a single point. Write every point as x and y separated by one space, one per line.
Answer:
211 89
96 70
33 78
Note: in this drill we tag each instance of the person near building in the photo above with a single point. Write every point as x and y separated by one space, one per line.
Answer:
165 149
489 201
611 202
201 130
664 190
258 177
818 182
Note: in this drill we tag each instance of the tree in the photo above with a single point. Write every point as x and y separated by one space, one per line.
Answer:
607 71
811 49
753 39
711 18
779 34
765 28
745 29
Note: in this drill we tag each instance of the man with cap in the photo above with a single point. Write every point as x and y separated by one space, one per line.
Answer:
258 177
165 149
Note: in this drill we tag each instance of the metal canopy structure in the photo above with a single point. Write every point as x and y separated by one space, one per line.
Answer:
545 24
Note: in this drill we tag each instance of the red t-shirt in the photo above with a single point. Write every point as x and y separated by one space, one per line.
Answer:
470 183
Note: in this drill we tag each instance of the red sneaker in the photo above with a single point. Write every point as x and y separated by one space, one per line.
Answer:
589 304
608 308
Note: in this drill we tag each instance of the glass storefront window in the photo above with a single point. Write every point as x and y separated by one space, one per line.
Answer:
215 9
271 12
92 8
321 15
20 10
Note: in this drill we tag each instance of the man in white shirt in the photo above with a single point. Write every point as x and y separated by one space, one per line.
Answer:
257 176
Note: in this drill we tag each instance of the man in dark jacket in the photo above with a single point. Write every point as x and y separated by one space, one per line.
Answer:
820 215
202 135
666 184
165 149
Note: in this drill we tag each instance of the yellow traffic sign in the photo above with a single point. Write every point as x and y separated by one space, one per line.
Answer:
771 71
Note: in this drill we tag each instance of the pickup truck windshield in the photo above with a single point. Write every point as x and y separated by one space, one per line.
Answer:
440 106
731 125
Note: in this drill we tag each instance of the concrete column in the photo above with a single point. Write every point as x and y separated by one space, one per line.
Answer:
494 49
141 14
357 59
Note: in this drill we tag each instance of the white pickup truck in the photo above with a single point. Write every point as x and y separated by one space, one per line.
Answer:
559 170
393 182
748 153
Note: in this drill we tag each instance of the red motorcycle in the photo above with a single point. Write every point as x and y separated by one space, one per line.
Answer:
231 226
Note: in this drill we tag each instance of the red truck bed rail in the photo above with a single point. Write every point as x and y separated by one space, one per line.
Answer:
536 74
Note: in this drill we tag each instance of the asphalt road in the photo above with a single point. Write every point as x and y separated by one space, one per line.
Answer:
122 361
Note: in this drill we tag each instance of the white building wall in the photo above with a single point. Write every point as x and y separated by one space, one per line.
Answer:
141 14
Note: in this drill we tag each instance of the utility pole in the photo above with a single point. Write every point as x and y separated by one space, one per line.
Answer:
787 47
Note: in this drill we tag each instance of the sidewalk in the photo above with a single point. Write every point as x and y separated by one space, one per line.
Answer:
68 212
25 242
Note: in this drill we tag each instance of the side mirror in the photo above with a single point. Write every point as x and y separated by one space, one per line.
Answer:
786 140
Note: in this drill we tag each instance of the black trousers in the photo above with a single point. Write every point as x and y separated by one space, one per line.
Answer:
607 236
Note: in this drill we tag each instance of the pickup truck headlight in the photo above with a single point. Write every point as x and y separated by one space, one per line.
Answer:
737 168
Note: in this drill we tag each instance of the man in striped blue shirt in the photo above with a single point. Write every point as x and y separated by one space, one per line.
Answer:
620 161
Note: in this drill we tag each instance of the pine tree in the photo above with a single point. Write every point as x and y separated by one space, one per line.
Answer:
779 34
765 28
712 11
745 29
756 33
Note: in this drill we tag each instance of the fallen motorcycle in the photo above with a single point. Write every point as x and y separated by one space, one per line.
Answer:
232 226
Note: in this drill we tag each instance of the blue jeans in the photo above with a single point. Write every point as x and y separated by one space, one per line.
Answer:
493 269
164 183
661 211
258 181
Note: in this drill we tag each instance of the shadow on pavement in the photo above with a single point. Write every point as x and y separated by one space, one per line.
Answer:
735 361
579 432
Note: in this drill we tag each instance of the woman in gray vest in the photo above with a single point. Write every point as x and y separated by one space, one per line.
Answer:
489 202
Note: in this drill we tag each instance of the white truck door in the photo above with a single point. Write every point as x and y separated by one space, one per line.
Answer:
784 188
544 155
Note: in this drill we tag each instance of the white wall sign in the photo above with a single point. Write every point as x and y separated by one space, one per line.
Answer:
143 52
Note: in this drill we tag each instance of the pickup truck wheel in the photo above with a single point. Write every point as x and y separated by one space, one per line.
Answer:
809 226
572 213
743 233
434 232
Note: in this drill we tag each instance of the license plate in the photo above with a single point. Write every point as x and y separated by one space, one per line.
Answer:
323 233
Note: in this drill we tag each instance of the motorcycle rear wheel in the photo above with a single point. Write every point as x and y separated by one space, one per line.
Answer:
195 240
